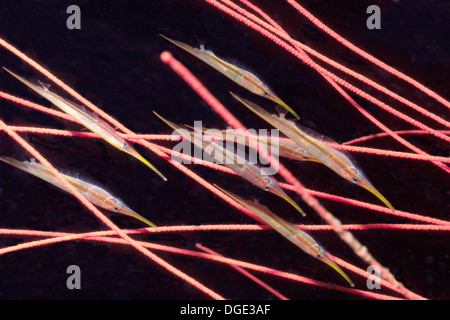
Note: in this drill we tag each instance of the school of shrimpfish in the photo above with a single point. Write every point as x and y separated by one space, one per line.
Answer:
296 143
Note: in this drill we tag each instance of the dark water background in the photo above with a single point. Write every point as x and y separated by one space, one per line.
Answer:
114 62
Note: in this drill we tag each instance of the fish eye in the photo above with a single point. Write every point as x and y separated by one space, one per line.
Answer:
318 252
116 208
269 183
124 145
355 179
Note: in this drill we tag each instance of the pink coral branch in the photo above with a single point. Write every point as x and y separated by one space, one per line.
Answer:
101 236
383 134
247 274
166 137
35 106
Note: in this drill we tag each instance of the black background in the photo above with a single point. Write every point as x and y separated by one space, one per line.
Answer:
114 62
